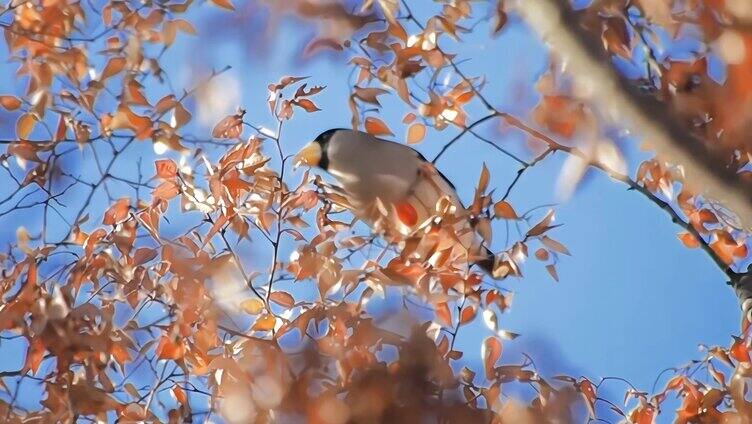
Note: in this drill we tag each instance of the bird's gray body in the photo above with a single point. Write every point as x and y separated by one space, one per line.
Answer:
384 170
392 188
387 170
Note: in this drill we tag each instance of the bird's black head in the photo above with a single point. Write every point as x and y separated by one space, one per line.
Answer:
323 141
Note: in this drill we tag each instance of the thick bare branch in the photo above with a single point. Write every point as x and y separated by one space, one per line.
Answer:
556 23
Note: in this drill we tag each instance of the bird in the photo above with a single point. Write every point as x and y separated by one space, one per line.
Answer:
394 189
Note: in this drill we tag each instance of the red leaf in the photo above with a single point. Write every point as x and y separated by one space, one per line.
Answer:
406 213
739 350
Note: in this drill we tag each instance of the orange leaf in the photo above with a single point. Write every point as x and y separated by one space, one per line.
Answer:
504 210
306 104
120 354
369 94
409 118
406 213
114 66
416 133
265 322
10 102
377 127
170 347
185 26
118 212
143 255
492 349
616 37
180 394
542 226
225 4
62 128
468 314
282 298
25 125
252 306
554 245
166 191
229 127
542 254
166 168
588 391
689 240
552 270
320 44
485 176
34 355
444 314
725 246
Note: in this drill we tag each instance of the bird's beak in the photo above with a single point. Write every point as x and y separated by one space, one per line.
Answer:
309 155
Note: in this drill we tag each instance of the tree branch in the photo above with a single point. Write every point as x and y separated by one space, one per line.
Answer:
557 24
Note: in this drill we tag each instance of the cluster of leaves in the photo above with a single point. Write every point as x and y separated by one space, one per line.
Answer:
647 36
148 309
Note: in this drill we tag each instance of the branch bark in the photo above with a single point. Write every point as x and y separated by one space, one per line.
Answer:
557 24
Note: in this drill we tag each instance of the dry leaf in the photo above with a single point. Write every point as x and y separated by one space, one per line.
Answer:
416 133
376 126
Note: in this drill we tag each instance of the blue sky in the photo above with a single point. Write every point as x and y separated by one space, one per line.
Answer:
631 300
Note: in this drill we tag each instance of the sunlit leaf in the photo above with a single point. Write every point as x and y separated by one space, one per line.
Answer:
504 210
10 102
252 306
118 212
264 322
468 314
224 4
377 127
166 168
25 125
416 133
282 298
491 353
689 240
